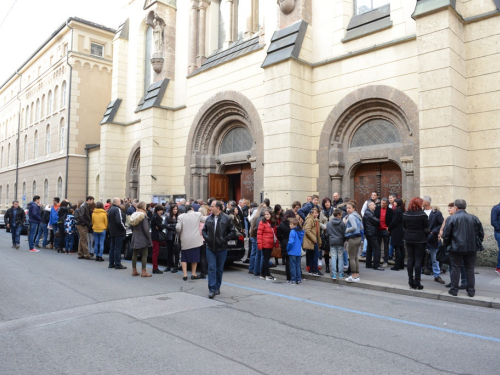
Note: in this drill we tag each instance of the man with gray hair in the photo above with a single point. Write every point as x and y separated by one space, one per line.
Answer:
435 222
117 233
463 235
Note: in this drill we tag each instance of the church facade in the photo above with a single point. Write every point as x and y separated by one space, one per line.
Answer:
281 99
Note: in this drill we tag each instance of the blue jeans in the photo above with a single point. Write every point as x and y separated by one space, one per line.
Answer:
497 237
253 254
295 272
31 237
346 259
365 245
43 230
337 252
436 270
16 234
216 262
391 248
115 250
70 241
99 243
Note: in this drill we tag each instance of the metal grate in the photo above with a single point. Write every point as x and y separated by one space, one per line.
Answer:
237 140
375 132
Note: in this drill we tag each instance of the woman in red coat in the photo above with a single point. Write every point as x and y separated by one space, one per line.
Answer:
266 240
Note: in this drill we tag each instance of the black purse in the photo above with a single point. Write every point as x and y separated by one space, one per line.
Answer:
443 254
162 236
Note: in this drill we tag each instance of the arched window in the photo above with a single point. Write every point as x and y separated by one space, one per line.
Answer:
7 195
222 29
97 186
56 98
62 133
375 132
42 108
46 191
37 113
26 147
8 155
1 159
47 140
63 95
27 119
49 104
34 188
35 155
237 140
59 187
31 112
147 58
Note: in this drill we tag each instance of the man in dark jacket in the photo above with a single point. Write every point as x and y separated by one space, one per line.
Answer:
435 222
43 229
217 231
463 234
117 233
336 200
495 223
371 224
83 224
304 211
384 214
14 220
34 218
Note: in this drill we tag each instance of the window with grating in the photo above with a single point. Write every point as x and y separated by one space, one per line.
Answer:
237 140
375 132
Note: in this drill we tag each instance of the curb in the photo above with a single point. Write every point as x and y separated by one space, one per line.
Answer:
398 289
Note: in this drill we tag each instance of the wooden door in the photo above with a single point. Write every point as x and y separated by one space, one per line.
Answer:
218 186
391 180
384 178
247 183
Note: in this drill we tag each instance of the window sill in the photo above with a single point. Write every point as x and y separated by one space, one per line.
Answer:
368 23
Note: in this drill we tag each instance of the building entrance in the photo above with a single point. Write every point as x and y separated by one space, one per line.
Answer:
235 183
384 178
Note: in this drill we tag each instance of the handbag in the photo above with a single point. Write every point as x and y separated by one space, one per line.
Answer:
162 236
177 244
443 254
276 253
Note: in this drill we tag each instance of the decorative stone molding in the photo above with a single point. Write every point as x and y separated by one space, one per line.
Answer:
287 6
407 162
336 170
291 11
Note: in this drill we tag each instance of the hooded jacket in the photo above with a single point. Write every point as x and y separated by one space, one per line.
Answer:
354 227
267 236
336 231
34 213
54 214
141 237
294 246
312 233
304 211
99 220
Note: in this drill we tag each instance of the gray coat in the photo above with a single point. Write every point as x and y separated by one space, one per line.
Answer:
141 237
336 231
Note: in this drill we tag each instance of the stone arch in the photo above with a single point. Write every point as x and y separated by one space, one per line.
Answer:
216 117
338 161
133 172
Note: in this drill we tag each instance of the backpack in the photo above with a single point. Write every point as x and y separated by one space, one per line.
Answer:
69 224
78 216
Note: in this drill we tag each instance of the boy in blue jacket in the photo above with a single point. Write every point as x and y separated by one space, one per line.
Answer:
294 249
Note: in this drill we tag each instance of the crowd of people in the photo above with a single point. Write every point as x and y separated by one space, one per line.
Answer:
333 233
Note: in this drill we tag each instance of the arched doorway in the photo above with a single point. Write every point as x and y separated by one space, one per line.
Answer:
225 150
384 178
132 188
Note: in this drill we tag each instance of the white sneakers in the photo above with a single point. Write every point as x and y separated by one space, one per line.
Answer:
270 278
351 279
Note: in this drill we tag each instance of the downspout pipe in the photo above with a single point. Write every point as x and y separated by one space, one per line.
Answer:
69 108
18 145
87 172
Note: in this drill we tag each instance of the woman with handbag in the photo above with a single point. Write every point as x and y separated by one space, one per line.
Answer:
173 245
266 240
157 235
397 233
324 217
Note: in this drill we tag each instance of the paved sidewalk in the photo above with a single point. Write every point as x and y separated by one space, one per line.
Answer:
487 284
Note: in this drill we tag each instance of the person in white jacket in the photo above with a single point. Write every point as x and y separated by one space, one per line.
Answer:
188 227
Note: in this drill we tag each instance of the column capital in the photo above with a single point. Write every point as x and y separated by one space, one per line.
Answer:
195 4
203 4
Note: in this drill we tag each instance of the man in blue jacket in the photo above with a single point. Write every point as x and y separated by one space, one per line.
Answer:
304 211
54 217
34 220
495 222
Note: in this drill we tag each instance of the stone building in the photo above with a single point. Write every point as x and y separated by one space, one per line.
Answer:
50 110
282 98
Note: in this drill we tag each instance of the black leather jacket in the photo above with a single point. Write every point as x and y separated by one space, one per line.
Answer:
18 220
370 223
216 240
464 232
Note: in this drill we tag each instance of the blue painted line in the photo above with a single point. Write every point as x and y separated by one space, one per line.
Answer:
487 338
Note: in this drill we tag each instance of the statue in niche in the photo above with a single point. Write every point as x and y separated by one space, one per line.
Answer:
287 6
157 35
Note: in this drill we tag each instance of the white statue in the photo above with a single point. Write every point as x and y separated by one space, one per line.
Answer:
157 35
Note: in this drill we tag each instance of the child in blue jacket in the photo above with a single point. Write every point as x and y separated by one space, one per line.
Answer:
294 249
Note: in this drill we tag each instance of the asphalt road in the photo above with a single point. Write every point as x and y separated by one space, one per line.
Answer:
60 315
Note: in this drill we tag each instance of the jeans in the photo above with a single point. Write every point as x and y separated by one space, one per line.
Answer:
70 241
42 230
295 272
337 252
115 250
416 253
31 237
16 234
62 235
365 246
216 260
312 257
372 251
436 270
400 257
391 248
383 236
346 258
497 237
55 242
253 254
98 243
469 260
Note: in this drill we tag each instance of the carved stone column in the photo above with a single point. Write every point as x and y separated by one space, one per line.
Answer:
196 185
194 34
202 31
203 187
407 162
249 30
336 173
228 25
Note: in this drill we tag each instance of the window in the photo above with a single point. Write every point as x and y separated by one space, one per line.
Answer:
47 140
1 159
27 120
59 187
375 132
56 97
37 113
8 155
63 94
46 191
34 188
42 107
49 103
26 148
237 140
96 49
7 195
61 135
147 59
35 155
222 29
363 6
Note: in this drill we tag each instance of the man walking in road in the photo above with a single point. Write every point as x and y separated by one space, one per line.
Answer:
83 223
117 232
14 219
435 221
464 234
217 231
495 223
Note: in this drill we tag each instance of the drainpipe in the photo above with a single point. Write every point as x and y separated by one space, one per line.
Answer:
69 109
18 134
87 172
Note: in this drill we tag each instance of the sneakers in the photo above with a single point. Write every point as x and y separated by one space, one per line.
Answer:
298 282
497 271
270 278
334 277
17 246
349 279
34 251
290 282
341 275
317 274
262 277
385 265
355 280
439 280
